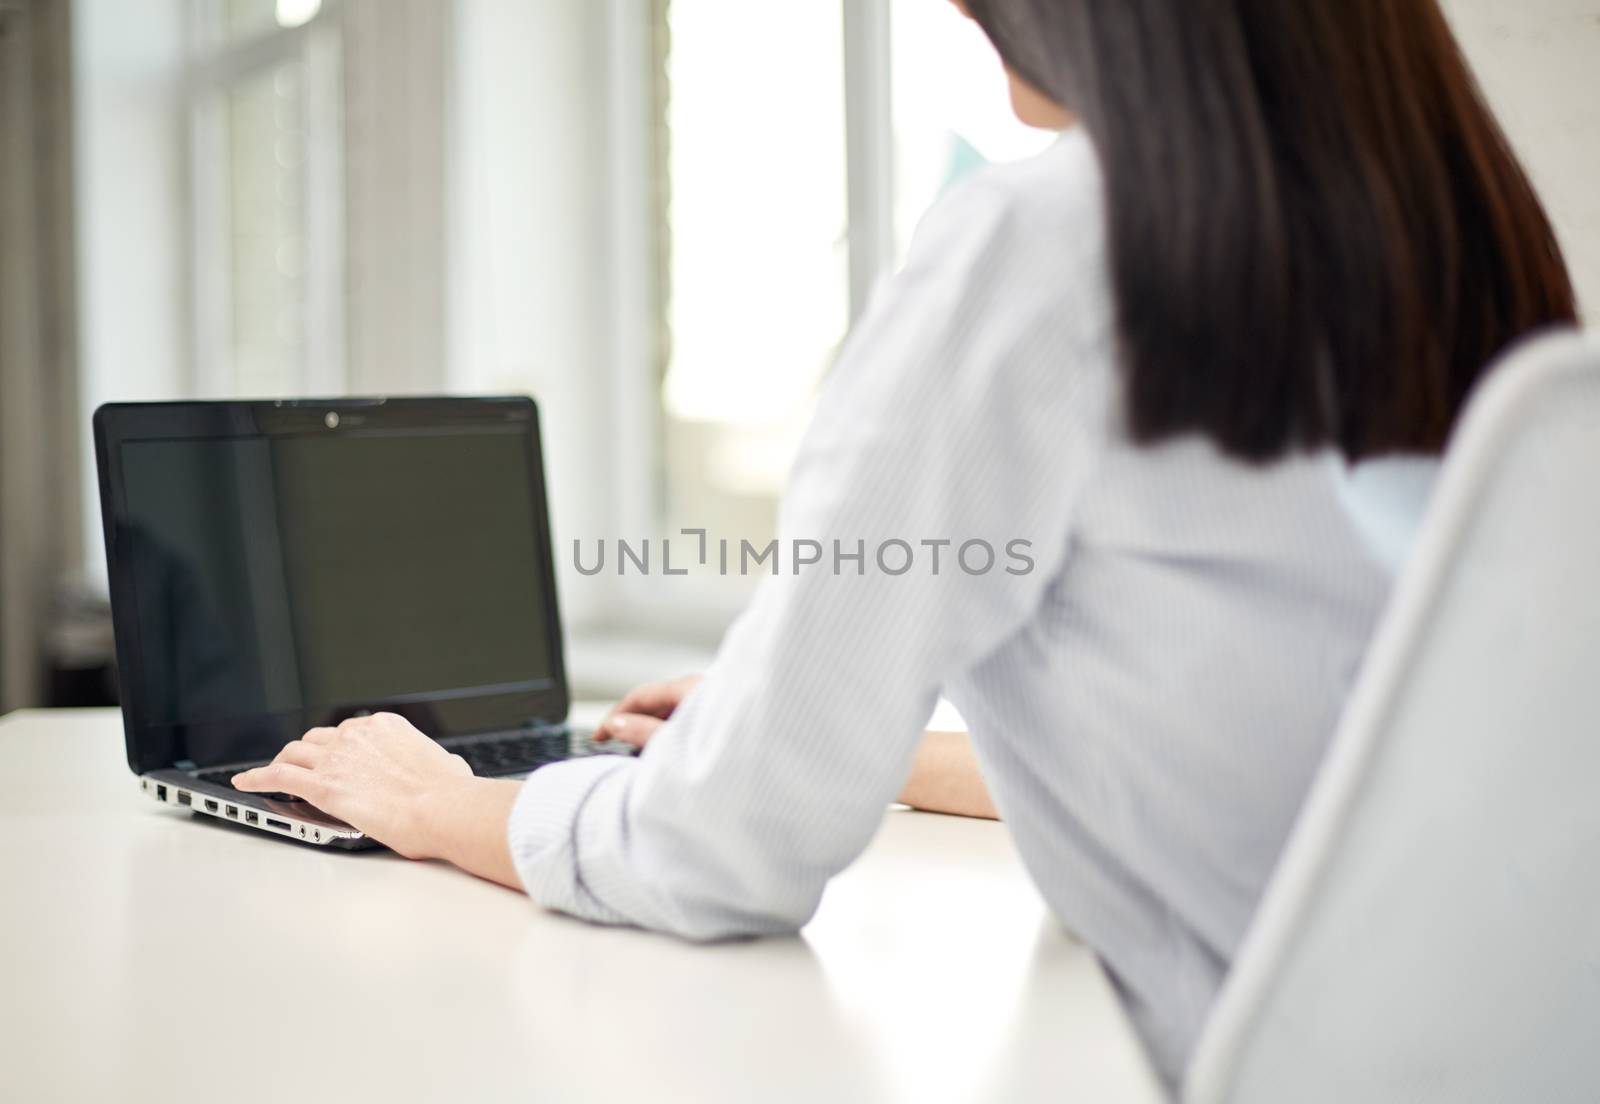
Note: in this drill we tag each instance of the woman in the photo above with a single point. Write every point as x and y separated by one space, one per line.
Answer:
1275 239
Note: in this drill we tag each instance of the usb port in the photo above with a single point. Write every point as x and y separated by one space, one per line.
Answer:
280 825
211 806
161 793
232 811
250 817
183 797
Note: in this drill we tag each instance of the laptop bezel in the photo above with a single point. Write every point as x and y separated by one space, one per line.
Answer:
117 424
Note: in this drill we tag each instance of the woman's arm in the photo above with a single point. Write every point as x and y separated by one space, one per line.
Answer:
401 788
957 430
945 778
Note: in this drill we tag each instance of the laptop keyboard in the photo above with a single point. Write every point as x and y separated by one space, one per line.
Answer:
491 756
515 755
223 776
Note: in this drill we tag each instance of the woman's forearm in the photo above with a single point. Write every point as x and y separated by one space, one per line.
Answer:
466 817
466 825
945 778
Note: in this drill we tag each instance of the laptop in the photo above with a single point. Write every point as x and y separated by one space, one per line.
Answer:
279 565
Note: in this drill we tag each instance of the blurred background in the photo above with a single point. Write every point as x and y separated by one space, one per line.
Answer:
658 217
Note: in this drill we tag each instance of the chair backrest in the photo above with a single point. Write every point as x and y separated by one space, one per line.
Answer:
1432 932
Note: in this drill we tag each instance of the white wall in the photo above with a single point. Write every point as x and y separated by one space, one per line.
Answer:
1539 64
131 187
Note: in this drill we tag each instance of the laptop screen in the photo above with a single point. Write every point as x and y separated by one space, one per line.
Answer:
284 580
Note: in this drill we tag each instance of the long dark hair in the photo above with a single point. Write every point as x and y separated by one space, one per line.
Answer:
1318 233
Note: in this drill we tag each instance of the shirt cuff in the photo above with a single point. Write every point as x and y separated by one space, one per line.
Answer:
543 833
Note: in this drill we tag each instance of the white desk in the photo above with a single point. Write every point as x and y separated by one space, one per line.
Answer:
147 952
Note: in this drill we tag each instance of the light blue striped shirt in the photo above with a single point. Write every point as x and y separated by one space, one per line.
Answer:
1148 703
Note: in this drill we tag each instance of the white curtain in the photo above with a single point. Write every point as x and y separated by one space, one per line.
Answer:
39 432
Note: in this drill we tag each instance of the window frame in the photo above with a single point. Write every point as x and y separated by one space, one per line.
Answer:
638 139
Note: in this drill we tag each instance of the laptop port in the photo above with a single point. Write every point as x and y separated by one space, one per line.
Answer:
184 798
250 817
280 825
161 793
211 806
232 811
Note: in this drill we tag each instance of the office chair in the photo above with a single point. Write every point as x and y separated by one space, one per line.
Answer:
1432 930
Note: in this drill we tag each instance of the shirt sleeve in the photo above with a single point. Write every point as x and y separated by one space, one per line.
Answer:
935 489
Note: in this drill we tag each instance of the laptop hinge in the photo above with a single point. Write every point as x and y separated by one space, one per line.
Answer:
186 765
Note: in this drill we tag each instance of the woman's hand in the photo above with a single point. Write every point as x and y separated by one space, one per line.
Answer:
380 775
945 778
644 709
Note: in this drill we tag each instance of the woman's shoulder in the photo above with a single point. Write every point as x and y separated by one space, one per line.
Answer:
1034 201
1031 230
999 316
1061 183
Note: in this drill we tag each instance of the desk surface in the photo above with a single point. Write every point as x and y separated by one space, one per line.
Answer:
147 951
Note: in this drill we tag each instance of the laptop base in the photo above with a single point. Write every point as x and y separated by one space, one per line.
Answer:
297 820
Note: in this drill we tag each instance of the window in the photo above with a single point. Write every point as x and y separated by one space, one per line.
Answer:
762 210
663 215
267 163
221 199
757 291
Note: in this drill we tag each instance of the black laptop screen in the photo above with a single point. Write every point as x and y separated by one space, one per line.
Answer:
282 581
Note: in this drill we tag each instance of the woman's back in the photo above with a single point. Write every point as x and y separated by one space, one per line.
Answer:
1150 731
